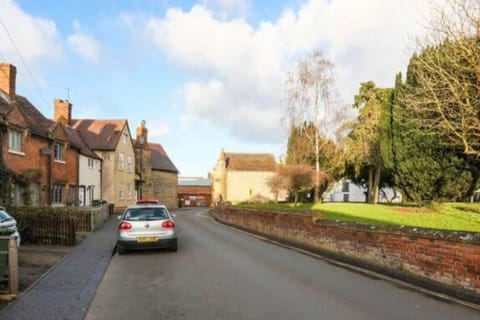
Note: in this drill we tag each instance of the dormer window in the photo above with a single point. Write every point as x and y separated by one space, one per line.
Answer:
15 142
59 156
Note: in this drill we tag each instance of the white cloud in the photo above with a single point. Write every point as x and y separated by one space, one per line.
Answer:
84 45
240 68
158 129
36 38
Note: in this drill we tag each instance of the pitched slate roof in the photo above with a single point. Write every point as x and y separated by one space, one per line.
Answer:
250 161
160 159
76 140
37 122
100 134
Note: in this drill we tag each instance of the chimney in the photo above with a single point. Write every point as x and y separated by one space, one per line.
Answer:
63 111
8 73
142 134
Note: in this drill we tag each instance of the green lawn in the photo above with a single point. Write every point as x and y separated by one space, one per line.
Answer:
448 216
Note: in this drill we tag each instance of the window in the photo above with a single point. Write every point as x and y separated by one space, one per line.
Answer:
15 141
129 191
121 193
90 163
57 193
125 138
59 152
346 186
129 163
121 161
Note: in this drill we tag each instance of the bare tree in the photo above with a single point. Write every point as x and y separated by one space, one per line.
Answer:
312 99
443 85
295 179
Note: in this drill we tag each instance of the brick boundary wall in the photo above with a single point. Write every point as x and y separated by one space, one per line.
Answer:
439 260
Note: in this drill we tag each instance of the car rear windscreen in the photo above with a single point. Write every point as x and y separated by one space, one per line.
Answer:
145 214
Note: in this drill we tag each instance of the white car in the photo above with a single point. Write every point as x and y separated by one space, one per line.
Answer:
8 225
146 226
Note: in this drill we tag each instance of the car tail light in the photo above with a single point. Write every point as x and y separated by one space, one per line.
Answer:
125 226
168 224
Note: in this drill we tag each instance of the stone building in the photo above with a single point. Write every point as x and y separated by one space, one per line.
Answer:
111 141
194 192
156 175
240 177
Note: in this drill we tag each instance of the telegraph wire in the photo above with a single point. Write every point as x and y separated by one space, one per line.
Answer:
23 61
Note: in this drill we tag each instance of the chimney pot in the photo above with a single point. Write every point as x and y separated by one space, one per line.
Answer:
62 111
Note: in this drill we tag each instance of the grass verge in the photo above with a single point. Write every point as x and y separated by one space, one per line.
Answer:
445 216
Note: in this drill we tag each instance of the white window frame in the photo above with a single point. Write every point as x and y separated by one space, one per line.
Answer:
15 141
91 163
58 191
121 161
129 163
129 191
59 152
121 193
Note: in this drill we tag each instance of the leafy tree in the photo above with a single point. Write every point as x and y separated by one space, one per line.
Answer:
301 150
433 117
425 170
368 136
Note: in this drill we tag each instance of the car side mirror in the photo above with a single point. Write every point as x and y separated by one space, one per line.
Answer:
119 217
174 215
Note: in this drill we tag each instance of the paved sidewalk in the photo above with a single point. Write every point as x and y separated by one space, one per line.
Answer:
67 290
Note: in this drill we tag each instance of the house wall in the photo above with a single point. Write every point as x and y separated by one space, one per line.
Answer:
357 193
123 180
165 188
193 196
243 185
31 158
90 180
219 174
143 166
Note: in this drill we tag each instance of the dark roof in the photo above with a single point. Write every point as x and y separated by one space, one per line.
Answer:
4 105
37 122
76 140
100 134
42 126
250 161
160 159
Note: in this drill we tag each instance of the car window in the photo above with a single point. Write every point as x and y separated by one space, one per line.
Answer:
4 216
143 214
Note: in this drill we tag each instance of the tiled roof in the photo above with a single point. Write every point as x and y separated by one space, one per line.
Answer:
250 161
76 140
160 159
37 122
100 134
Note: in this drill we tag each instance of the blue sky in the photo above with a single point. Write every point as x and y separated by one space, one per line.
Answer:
205 75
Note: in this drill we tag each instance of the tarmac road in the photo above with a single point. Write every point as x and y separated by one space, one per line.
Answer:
221 273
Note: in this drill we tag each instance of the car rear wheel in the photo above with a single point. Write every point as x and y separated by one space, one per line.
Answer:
121 250
174 247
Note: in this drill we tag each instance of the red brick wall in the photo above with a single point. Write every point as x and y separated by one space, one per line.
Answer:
33 159
450 258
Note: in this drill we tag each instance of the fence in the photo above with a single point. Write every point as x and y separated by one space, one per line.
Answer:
57 226
55 230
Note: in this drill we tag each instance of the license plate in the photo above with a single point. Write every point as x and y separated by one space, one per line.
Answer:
146 239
